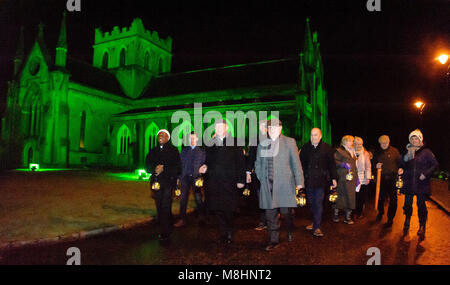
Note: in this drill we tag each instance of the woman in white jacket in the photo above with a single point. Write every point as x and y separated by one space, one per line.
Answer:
363 166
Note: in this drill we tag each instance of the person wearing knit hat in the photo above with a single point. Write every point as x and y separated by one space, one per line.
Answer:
164 131
418 165
416 133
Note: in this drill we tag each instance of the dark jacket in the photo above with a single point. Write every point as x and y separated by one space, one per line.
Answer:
226 168
251 158
390 158
424 163
319 167
346 188
168 156
191 160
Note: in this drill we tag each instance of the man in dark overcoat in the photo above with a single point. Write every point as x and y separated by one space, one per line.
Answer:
225 174
163 162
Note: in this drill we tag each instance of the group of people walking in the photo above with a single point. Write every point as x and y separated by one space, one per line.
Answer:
278 173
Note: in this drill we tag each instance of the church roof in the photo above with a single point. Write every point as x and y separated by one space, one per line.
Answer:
86 74
267 99
258 74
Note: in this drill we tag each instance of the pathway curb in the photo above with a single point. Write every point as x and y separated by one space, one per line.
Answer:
73 236
78 235
440 205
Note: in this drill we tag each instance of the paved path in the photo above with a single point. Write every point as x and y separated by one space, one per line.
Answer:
342 244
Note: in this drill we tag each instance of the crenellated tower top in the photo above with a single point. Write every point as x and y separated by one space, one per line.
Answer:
136 29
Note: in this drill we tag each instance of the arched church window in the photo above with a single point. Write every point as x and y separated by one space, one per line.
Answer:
147 60
123 140
150 137
122 58
105 60
82 129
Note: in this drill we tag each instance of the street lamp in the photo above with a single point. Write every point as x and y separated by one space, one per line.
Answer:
420 105
443 58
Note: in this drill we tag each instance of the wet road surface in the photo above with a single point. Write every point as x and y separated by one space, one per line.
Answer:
191 245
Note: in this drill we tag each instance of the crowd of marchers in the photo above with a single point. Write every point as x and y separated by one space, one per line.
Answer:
279 173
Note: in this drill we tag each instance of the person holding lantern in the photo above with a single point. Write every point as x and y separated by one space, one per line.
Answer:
163 162
192 157
388 159
225 174
418 164
319 168
345 158
280 172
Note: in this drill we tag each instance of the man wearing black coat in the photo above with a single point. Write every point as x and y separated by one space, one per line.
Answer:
225 173
388 159
319 168
163 162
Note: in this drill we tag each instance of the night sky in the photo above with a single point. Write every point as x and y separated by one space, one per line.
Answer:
376 63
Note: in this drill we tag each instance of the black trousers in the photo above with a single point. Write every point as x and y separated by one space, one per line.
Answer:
421 207
272 222
225 221
387 191
163 201
186 184
361 198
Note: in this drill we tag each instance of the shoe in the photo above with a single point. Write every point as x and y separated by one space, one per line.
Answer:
318 233
309 227
290 237
163 238
261 227
349 222
226 240
388 224
180 223
348 217
421 231
272 246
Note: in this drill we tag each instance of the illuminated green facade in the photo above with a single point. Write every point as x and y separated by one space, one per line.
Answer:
62 112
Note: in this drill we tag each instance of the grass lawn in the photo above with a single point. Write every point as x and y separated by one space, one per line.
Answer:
36 205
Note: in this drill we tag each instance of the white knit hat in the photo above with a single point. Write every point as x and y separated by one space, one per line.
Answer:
416 133
163 131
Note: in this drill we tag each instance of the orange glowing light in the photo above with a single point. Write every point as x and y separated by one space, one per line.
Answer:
419 104
443 58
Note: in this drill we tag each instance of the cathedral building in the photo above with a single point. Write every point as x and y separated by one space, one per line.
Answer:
63 112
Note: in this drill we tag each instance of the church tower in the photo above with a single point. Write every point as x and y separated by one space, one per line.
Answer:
133 54
311 83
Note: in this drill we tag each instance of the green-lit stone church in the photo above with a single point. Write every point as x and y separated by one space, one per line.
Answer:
62 112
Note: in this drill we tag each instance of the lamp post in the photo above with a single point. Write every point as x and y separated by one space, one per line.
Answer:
444 59
420 106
